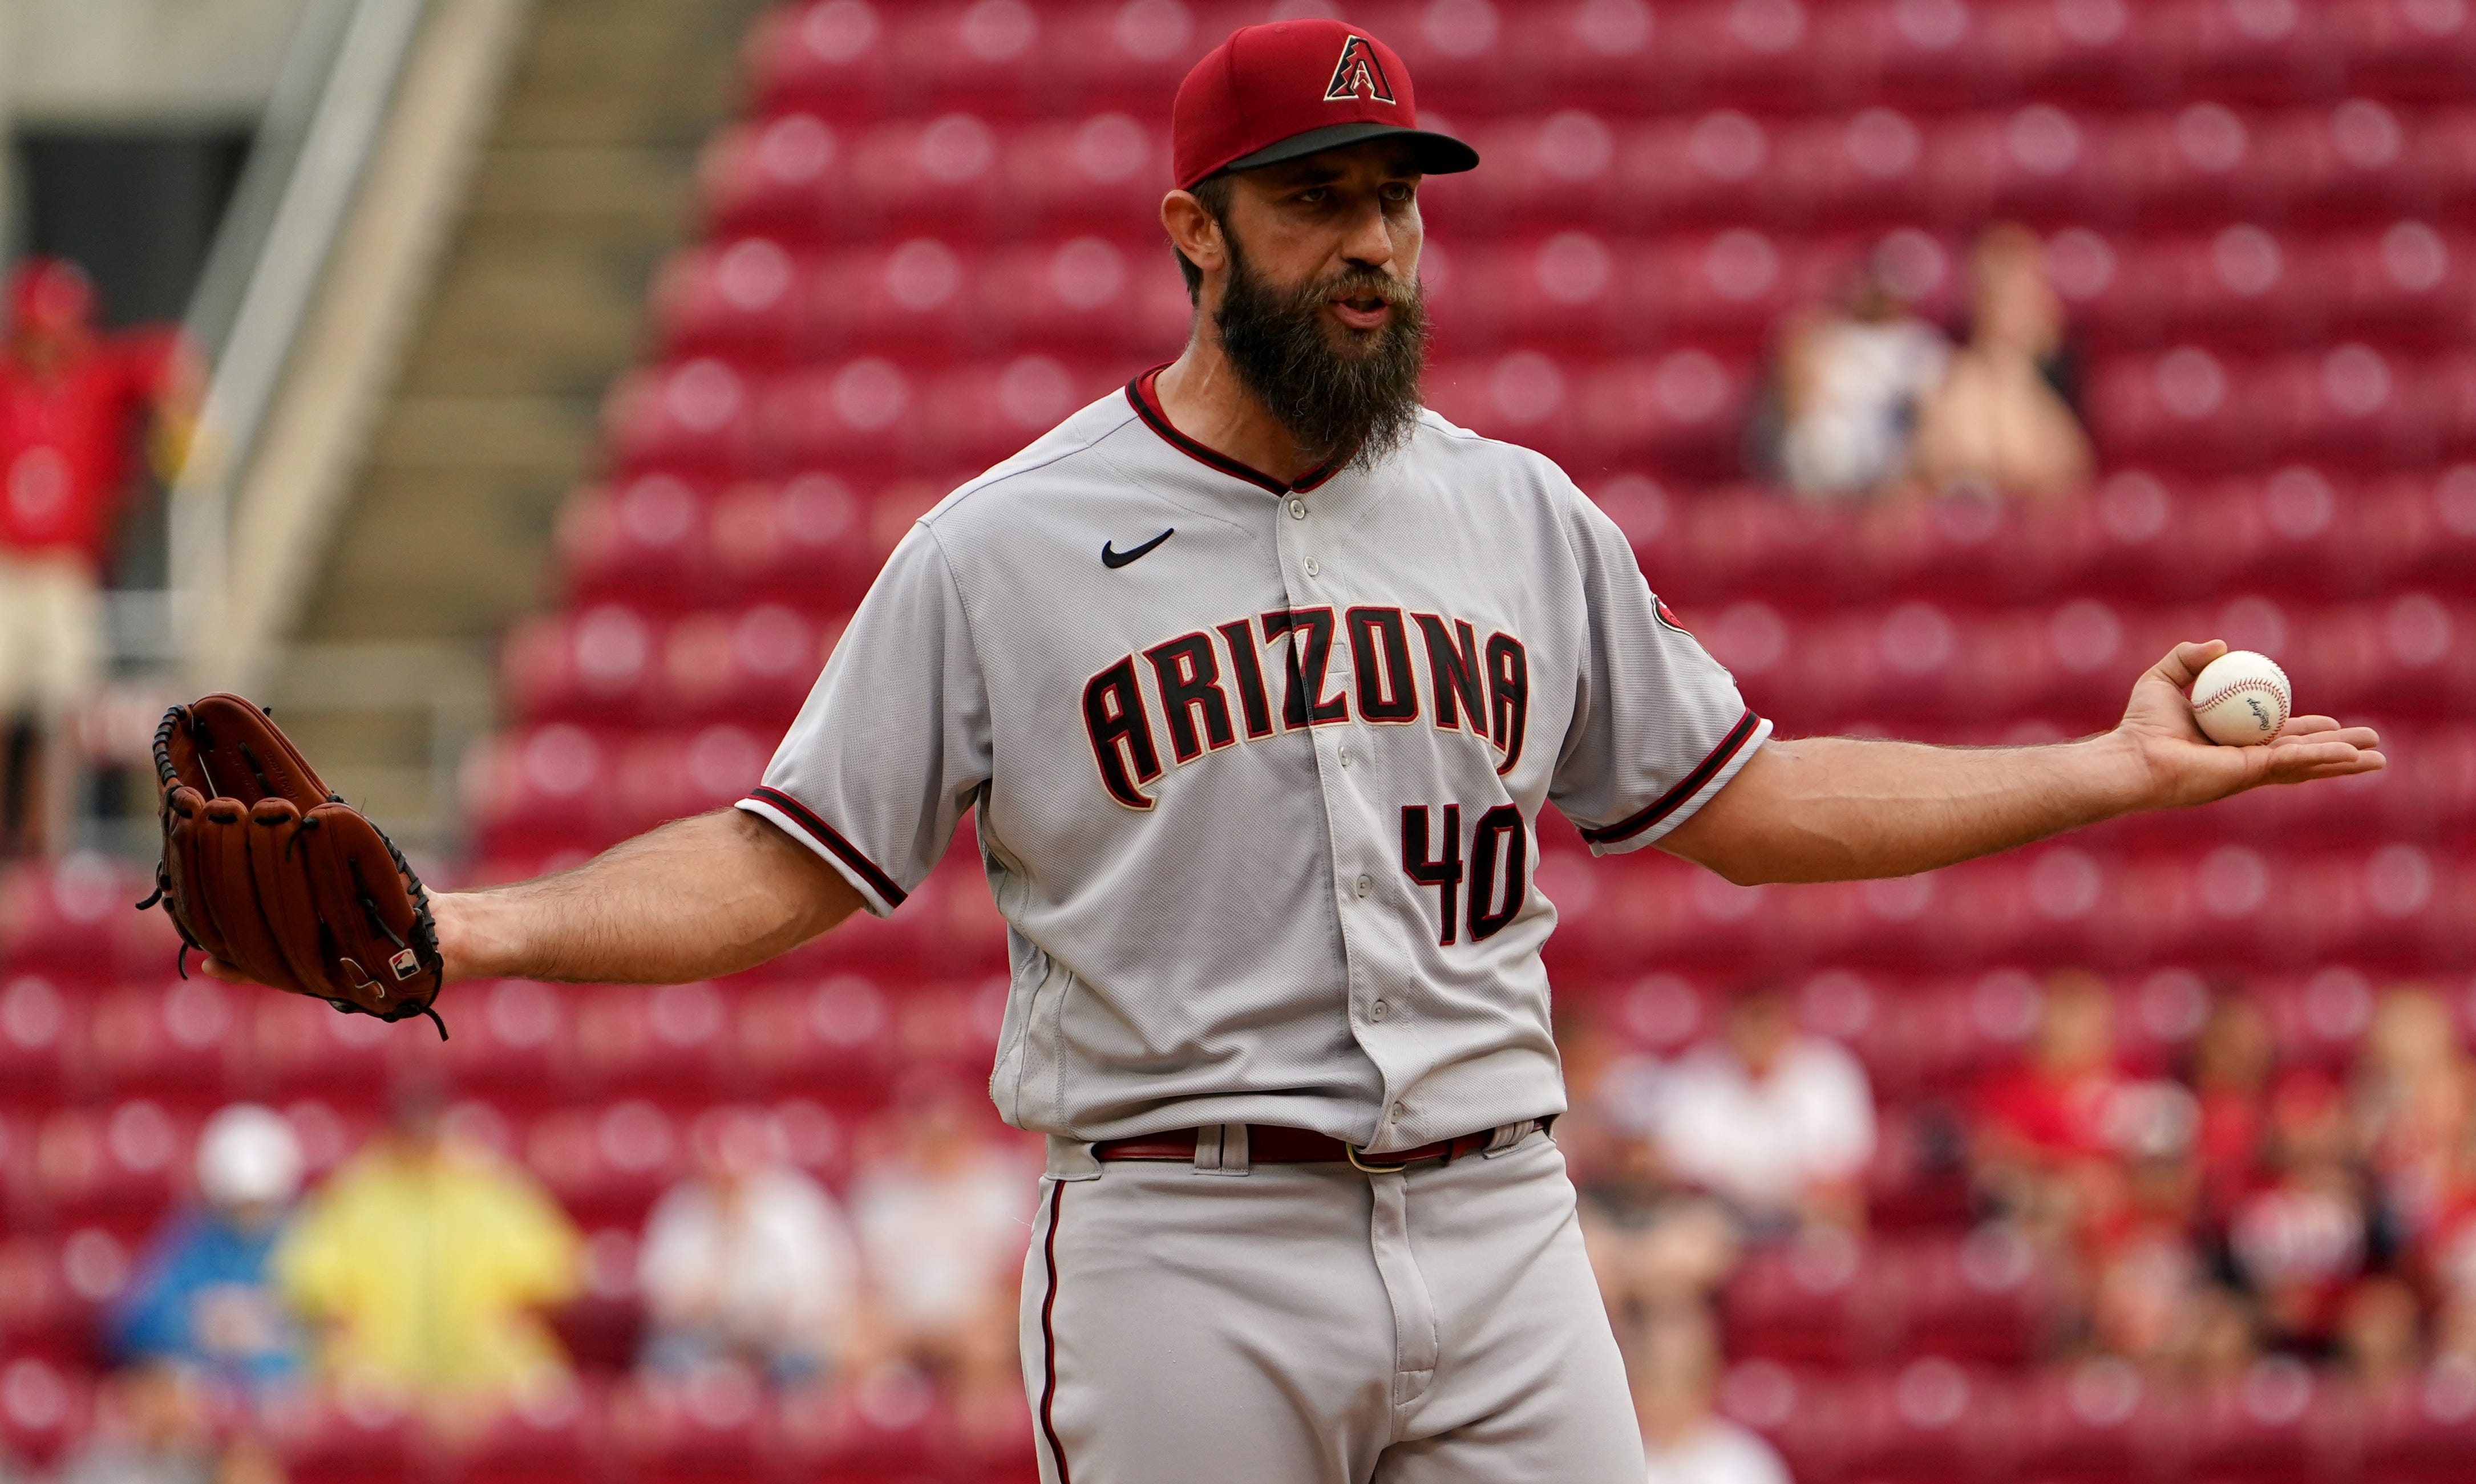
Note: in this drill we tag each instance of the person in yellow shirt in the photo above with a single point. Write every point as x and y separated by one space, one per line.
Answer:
425 1264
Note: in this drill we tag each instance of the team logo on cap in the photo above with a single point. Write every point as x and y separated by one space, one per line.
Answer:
1360 73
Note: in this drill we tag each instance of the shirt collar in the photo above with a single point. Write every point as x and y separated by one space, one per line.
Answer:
1146 398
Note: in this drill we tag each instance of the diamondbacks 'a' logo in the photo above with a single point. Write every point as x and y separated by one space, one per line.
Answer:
1360 73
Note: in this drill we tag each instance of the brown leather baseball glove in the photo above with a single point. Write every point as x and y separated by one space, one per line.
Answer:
266 869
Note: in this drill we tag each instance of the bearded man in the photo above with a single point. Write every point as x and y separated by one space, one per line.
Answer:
1257 793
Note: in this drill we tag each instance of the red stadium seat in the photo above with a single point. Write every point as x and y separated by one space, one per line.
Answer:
606 1164
41 1030
176 1041
544 790
1803 1304
2278 1423
2421 1434
738 300
2097 1423
692 418
299 1048
1119 300
805 541
706 1429
116 1167
828 53
511 1043
549 1436
1984 1298
2405 49
357 1439
45 1409
669 1044
642 543
1931 1421
784 175
1130 54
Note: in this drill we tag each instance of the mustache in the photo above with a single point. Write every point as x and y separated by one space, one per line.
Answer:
1359 283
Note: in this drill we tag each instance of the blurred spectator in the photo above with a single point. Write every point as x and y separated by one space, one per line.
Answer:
150 1428
2302 1238
425 1261
1675 1366
2046 1144
2413 1105
1653 1243
1847 389
2381 1334
72 401
202 1297
748 1260
943 1219
1777 1123
1996 420
2150 1271
2230 1062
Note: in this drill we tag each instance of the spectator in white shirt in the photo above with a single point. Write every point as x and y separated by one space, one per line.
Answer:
749 1261
1674 1360
1777 1123
943 1221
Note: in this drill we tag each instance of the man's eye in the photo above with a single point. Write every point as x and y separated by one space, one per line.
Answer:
1313 195
1397 193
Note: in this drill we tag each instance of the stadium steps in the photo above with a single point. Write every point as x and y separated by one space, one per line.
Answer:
586 180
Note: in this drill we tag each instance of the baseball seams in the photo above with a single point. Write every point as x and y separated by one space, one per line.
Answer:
2275 703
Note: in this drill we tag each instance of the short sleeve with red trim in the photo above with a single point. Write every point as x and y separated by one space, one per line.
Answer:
892 746
1660 727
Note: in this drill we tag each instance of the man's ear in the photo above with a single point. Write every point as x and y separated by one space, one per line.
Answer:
1194 231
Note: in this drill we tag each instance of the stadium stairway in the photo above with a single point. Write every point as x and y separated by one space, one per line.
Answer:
586 182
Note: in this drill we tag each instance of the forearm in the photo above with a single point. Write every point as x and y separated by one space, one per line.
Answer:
1846 808
697 898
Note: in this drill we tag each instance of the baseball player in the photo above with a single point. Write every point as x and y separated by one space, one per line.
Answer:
1258 676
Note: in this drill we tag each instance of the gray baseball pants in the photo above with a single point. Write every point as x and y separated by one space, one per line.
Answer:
1312 1323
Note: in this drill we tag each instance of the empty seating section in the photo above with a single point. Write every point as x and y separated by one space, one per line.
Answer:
933 237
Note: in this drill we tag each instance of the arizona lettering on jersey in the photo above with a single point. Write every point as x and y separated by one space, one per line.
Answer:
1181 689
1256 768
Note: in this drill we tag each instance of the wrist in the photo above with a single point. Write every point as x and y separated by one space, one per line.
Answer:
474 940
2120 778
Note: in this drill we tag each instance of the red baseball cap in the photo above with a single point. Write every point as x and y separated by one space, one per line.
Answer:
1294 87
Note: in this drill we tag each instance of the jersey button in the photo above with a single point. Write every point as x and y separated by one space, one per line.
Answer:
1364 884
1397 1111
1378 1010
1298 508
1315 568
1345 754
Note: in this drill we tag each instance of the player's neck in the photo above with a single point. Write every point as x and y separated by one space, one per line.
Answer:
1202 398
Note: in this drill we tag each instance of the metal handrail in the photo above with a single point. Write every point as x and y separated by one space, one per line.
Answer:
285 233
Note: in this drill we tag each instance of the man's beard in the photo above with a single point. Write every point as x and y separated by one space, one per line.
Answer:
1360 399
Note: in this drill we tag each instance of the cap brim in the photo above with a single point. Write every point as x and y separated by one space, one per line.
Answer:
1438 153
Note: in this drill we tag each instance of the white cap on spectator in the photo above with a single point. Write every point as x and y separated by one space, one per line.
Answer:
247 1155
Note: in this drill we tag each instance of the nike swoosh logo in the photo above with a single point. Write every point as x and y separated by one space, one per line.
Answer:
1113 559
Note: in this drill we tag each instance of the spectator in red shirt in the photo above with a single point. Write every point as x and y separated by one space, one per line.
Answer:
72 404
2047 1140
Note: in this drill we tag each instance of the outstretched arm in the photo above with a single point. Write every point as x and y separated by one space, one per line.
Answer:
697 898
1841 808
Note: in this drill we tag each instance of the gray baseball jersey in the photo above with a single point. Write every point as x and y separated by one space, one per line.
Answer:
1259 767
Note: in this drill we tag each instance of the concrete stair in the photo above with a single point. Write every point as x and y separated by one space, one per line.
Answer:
586 183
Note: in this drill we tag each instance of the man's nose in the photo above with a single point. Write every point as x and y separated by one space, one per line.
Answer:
1368 244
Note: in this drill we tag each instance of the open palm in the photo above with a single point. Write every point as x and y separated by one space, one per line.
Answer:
2186 767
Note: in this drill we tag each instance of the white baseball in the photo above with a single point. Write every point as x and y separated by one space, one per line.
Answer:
2242 697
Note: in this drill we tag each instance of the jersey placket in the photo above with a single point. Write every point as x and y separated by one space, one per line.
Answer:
1315 574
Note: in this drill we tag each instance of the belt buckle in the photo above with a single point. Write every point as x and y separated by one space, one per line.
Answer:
1357 1163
